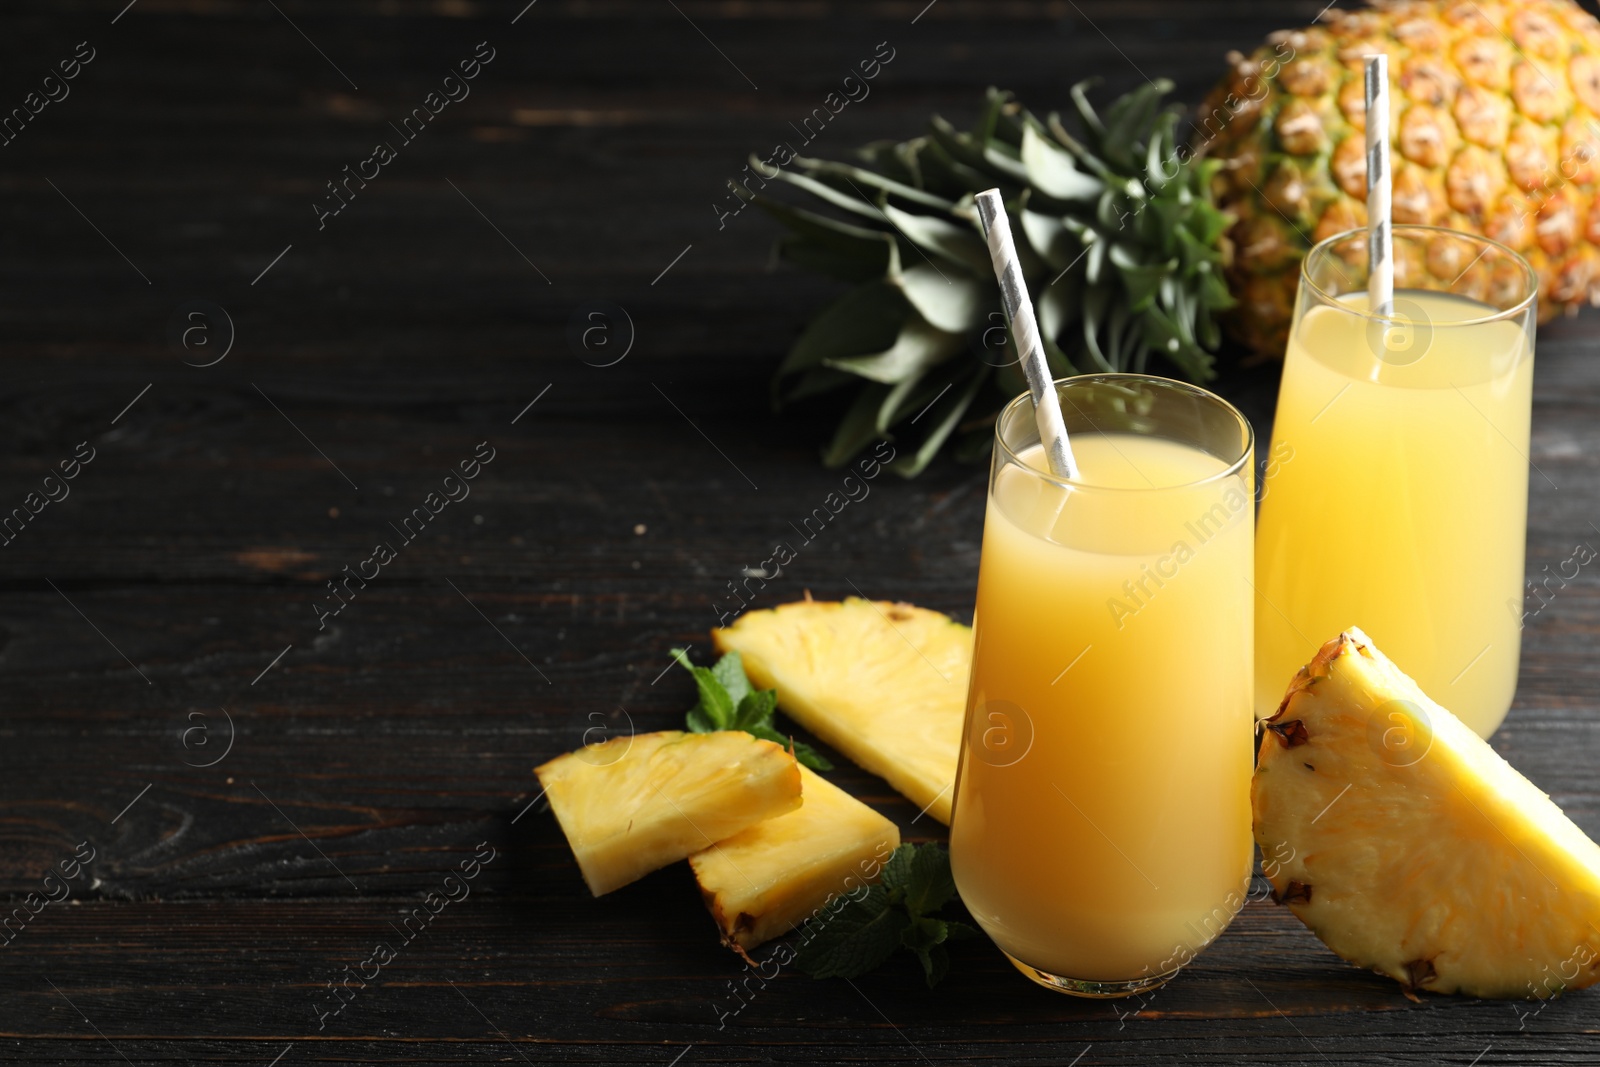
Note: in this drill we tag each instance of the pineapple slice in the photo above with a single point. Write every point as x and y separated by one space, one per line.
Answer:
886 684
633 804
761 883
1409 846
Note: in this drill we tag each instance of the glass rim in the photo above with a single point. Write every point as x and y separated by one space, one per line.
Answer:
1530 276
1026 397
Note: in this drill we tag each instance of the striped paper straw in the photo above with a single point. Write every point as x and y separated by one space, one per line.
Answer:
1380 209
1025 334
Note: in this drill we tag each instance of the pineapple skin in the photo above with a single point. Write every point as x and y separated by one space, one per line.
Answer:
1492 103
763 882
1409 846
632 805
884 683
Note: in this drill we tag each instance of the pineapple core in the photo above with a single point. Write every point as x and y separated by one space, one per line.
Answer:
1409 846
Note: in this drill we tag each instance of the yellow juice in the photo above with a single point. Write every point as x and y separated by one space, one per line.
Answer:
1396 500
1101 829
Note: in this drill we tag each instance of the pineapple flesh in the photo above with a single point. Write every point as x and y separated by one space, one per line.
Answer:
1409 846
885 684
765 881
1494 111
631 805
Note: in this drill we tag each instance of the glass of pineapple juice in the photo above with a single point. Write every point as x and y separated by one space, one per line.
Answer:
1396 492
1101 829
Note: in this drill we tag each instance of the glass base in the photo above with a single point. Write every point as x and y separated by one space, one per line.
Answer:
1093 990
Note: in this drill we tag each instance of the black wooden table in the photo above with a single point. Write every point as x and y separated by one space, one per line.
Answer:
267 787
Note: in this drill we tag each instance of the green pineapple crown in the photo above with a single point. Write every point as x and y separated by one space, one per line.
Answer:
1118 238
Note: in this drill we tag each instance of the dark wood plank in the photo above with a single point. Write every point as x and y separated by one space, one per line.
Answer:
376 753
492 971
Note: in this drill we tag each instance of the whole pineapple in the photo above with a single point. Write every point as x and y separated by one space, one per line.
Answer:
1496 120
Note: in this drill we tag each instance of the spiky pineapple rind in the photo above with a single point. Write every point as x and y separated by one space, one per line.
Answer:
1494 108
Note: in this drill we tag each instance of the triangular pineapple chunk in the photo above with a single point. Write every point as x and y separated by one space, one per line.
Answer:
886 684
1409 846
764 882
633 804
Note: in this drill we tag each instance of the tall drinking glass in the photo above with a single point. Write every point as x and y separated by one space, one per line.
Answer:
1396 494
1101 831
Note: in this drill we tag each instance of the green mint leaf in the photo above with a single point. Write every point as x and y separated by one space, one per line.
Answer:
756 710
803 752
923 933
811 757
698 723
935 963
897 873
854 934
729 670
767 733
928 884
926 937
715 704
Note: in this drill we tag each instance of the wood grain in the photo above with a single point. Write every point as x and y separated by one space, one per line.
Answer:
379 750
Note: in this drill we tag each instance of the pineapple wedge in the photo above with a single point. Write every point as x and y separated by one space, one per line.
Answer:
886 684
761 883
1409 846
633 804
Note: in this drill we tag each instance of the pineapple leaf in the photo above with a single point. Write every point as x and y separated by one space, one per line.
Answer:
919 347
1086 112
1054 243
865 320
905 398
858 428
851 202
954 302
872 180
844 238
1123 256
1141 280
1054 172
950 172
1129 122
952 409
1162 141
960 245
897 159
958 147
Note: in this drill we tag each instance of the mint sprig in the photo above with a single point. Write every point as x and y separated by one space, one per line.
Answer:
729 702
858 931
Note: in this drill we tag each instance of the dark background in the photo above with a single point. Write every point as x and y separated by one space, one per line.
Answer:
143 614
